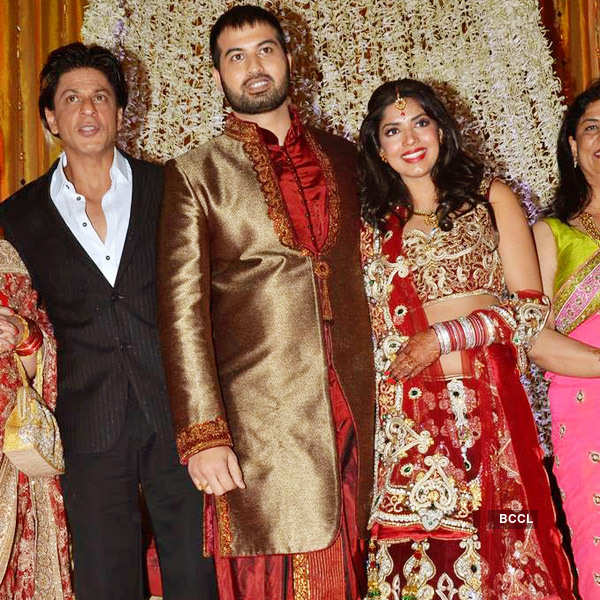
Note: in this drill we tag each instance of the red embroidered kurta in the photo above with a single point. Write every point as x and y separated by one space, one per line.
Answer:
337 572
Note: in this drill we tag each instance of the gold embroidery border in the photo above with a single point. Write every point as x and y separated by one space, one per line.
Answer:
333 192
200 436
568 288
301 577
224 525
261 161
10 260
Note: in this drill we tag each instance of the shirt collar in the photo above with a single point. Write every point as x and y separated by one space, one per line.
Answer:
119 173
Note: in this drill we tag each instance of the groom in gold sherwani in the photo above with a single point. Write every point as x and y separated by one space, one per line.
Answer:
265 332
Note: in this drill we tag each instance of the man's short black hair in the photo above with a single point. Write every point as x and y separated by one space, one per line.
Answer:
79 56
242 16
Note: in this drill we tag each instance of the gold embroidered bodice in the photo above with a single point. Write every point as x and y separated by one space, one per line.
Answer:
462 261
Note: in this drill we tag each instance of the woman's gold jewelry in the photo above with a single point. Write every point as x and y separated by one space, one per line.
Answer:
400 103
430 217
587 220
382 156
575 163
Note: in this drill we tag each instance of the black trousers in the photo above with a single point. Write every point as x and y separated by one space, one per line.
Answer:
101 493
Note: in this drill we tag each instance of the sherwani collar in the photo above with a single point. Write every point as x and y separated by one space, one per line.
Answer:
255 147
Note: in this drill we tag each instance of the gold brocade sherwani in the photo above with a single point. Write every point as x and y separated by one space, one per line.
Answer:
241 317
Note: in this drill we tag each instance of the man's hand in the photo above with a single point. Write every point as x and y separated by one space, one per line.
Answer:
216 470
419 352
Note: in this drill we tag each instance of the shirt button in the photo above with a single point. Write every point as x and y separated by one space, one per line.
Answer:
84 224
108 258
78 198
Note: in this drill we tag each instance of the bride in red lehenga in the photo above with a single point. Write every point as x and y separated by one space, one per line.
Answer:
34 543
462 506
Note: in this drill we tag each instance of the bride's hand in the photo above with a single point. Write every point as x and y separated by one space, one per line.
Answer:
420 351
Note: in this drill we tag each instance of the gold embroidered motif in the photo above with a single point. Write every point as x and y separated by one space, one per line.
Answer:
385 566
259 156
9 477
333 194
597 578
201 436
301 577
525 575
468 567
531 315
48 568
401 437
570 317
224 525
562 429
596 499
10 261
580 397
458 404
594 457
434 495
464 259
429 496
445 588
418 570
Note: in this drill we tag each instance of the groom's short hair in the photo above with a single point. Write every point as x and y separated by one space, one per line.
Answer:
242 16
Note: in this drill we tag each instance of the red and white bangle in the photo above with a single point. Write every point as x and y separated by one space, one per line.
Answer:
473 331
31 338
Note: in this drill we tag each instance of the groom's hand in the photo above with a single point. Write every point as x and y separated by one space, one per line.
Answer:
216 470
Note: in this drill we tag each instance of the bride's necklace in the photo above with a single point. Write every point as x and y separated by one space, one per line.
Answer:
587 220
430 217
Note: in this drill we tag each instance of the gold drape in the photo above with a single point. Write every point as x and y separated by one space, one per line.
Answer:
578 24
29 30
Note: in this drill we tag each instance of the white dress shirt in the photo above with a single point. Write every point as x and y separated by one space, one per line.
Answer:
116 205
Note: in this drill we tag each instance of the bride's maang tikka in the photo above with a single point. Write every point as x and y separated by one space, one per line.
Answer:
400 103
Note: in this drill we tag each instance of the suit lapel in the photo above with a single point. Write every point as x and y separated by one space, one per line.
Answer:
136 219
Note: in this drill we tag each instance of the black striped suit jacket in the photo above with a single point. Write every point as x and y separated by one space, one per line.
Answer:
107 337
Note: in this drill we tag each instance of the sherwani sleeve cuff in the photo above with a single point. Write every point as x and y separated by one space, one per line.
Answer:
201 436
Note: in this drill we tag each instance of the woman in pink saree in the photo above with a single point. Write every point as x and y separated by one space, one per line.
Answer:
34 542
568 246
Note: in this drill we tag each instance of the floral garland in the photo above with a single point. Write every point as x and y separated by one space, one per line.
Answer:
488 59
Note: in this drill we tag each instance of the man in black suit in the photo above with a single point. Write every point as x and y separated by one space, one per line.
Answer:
86 231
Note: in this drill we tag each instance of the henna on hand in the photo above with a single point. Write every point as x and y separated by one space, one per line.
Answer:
421 350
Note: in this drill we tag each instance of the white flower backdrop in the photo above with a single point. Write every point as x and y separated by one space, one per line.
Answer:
489 59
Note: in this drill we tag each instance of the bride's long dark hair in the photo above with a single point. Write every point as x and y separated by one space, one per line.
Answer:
456 175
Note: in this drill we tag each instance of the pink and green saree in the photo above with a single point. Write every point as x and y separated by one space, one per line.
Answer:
574 402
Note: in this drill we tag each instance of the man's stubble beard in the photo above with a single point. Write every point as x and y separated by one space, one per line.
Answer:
247 105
